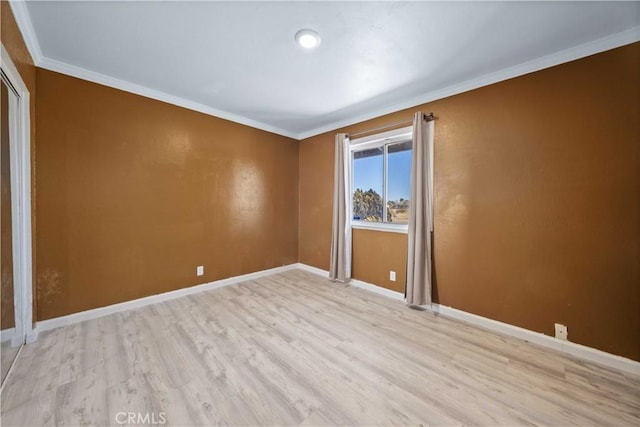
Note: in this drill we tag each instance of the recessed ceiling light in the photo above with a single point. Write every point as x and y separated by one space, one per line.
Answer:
308 39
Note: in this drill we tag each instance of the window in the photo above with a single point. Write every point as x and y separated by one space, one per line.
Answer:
380 180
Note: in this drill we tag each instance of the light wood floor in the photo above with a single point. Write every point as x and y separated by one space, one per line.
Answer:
295 349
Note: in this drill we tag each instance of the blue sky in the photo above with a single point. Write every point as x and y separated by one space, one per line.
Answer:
367 174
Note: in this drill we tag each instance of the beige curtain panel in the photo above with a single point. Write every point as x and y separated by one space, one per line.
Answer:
340 263
418 289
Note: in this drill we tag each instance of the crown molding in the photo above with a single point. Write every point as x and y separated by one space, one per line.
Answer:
23 19
92 76
25 25
613 41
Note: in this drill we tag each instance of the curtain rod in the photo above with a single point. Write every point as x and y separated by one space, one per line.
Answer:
427 116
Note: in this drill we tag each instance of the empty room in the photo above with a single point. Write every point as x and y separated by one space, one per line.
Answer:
289 213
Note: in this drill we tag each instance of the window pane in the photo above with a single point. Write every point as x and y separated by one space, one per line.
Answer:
368 167
399 176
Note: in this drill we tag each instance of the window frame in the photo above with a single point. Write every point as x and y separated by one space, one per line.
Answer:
377 140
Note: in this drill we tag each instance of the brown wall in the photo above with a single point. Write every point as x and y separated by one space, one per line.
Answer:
7 312
14 43
133 194
536 201
536 204
384 253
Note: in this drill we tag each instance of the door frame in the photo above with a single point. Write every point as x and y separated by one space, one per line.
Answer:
20 160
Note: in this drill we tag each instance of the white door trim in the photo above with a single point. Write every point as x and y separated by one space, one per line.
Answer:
20 153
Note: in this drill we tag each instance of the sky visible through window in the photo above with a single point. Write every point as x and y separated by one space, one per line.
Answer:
368 174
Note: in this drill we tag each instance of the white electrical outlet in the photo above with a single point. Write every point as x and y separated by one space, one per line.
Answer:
561 332
392 276
200 270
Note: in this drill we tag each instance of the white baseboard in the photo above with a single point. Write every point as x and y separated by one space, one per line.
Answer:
355 282
314 270
377 289
574 349
33 336
7 334
56 322
577 350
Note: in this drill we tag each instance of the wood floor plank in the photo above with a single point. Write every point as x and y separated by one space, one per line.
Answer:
296 349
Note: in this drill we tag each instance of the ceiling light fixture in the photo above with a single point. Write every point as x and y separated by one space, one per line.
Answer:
308 39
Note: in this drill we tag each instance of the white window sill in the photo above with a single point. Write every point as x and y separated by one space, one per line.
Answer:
380 226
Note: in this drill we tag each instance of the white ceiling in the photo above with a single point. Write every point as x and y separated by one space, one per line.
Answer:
238 60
